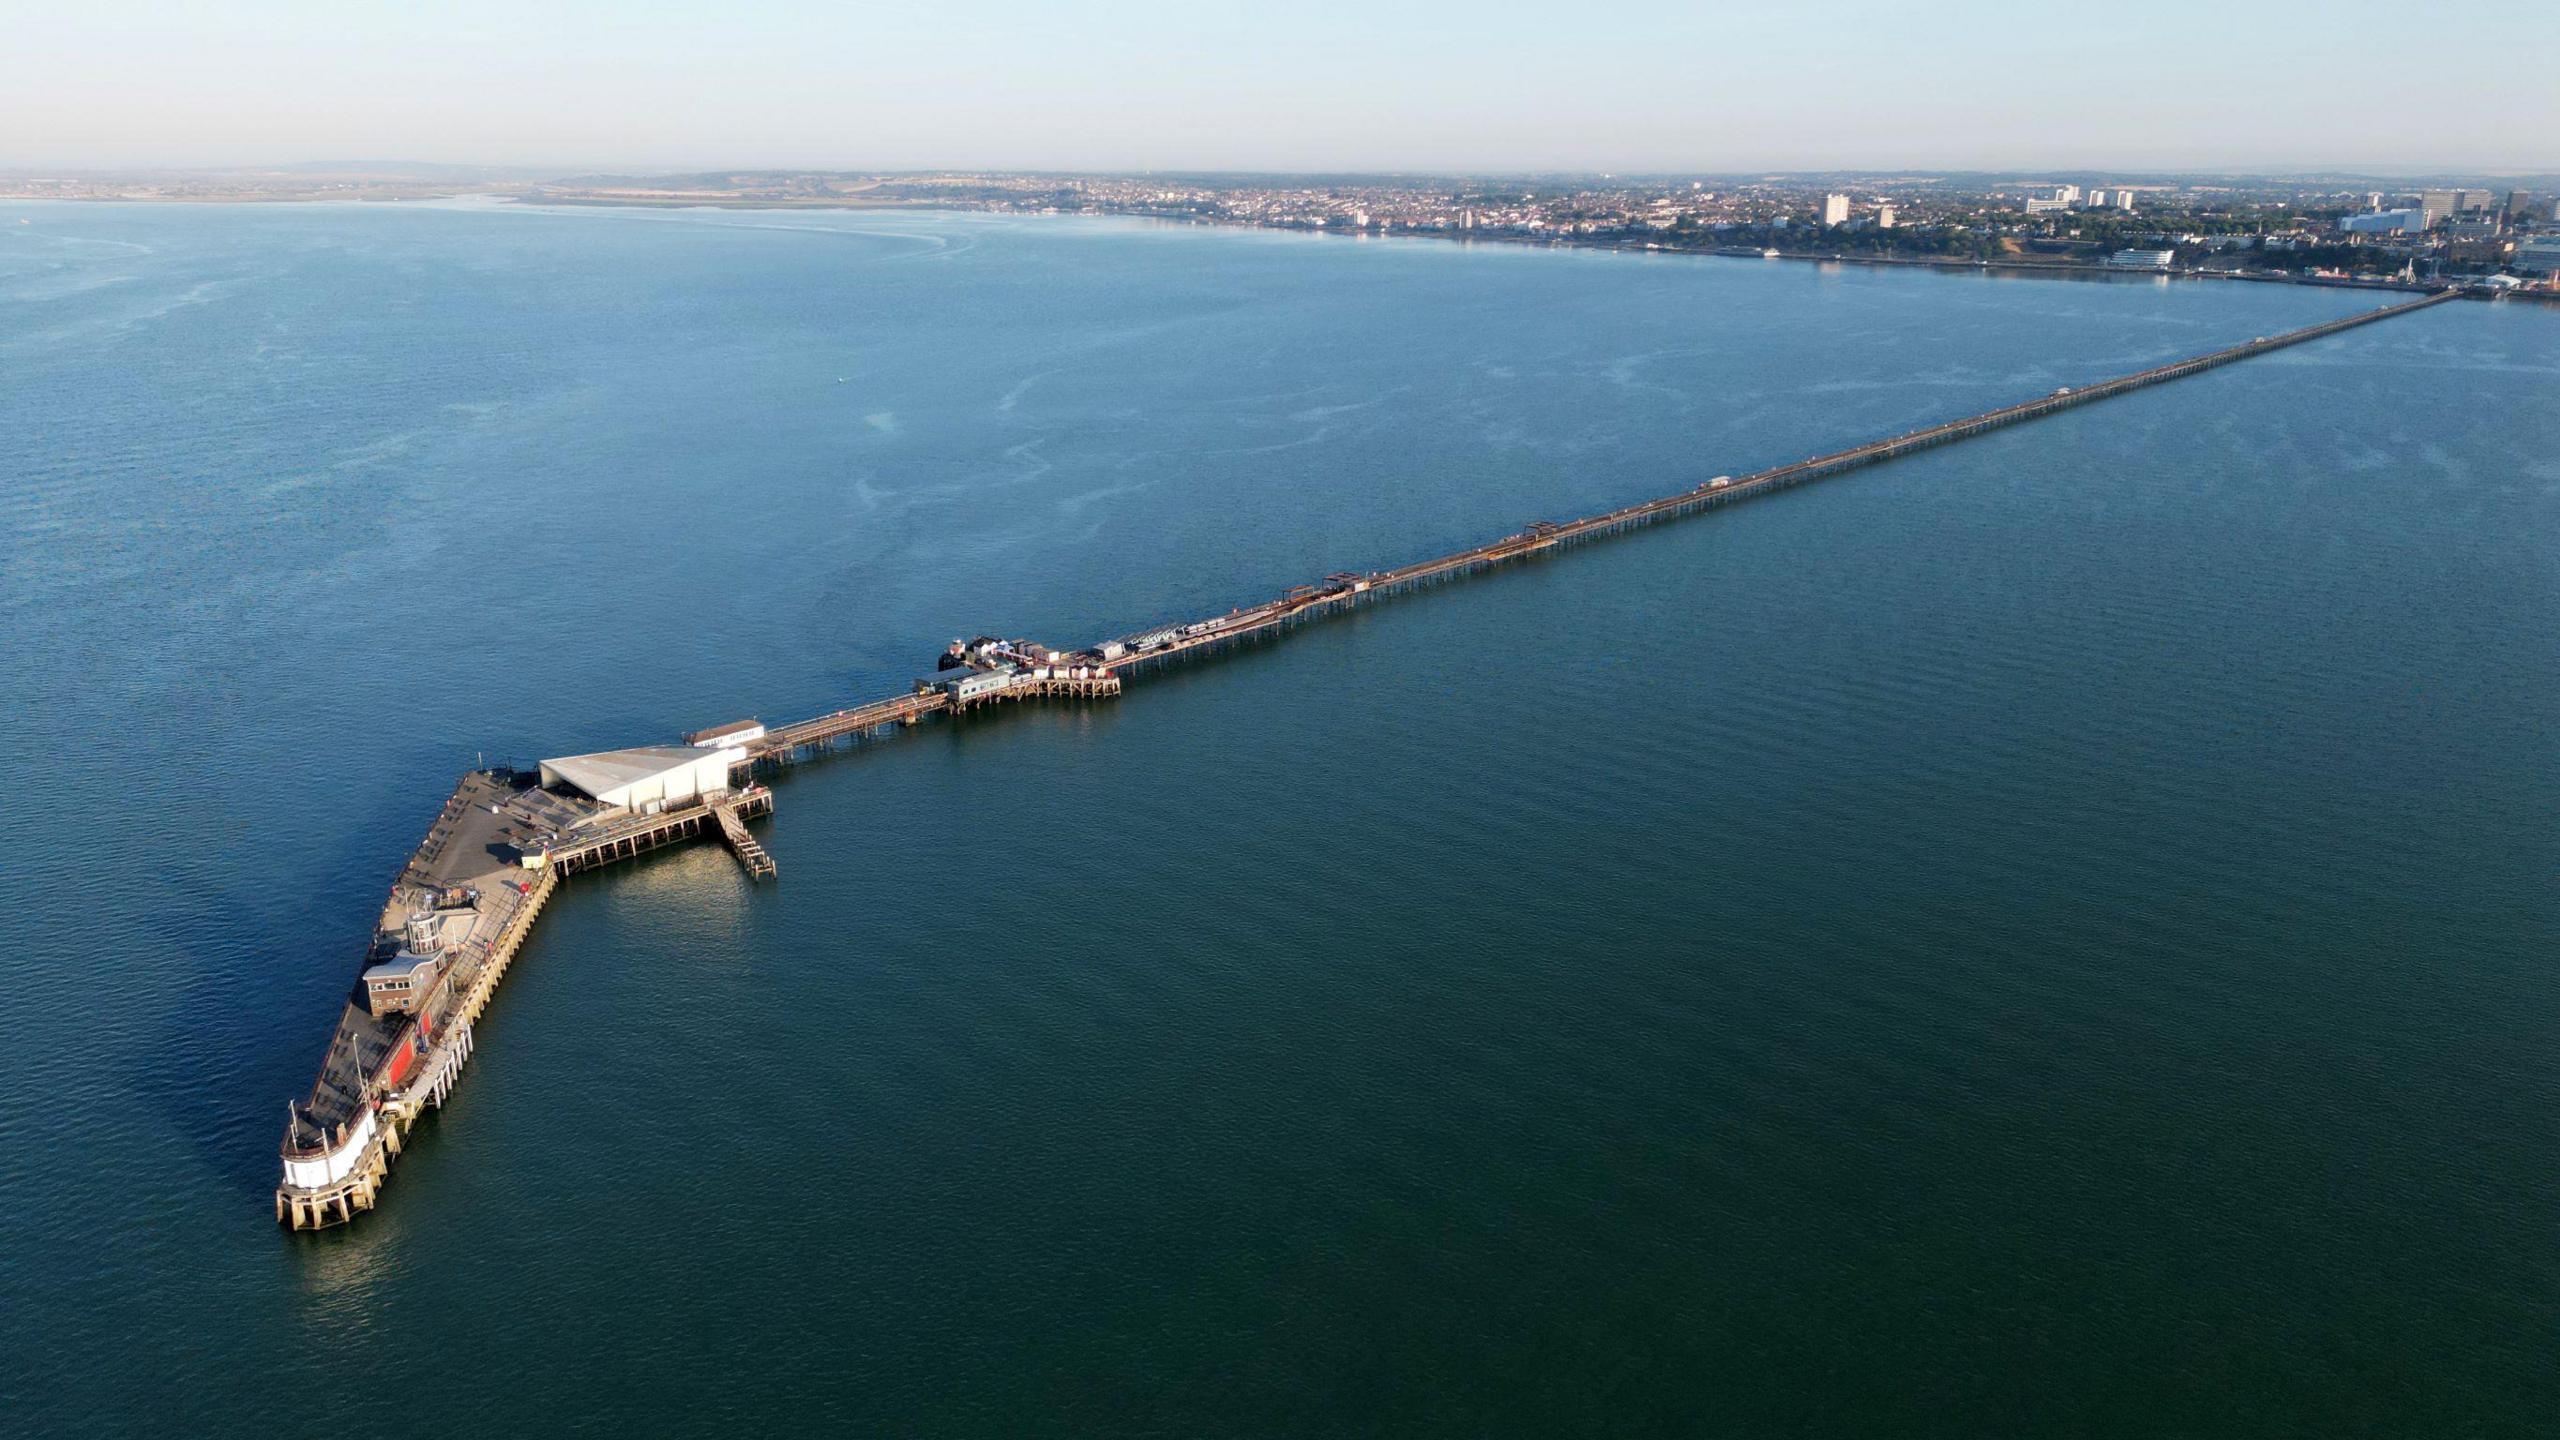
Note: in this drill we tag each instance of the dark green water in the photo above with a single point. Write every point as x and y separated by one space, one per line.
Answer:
2049 937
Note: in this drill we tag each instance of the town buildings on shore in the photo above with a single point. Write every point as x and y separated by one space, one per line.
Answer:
2266 228
2298 228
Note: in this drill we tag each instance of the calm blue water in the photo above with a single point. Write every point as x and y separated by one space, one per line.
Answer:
2054 936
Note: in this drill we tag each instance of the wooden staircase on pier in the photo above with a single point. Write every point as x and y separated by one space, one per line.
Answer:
733 828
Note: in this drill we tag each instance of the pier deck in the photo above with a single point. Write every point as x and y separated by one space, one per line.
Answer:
786 740
502 845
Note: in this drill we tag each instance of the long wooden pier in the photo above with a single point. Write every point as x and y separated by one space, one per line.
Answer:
1347 589
1144 649
384 1069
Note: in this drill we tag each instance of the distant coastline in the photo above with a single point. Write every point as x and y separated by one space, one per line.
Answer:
362 193
2049 269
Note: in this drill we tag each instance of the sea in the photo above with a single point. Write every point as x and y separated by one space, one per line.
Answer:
2058 935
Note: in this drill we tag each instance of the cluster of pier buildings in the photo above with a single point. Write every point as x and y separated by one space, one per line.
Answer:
506 838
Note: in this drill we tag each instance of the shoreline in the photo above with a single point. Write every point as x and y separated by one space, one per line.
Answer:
853 205
2043 269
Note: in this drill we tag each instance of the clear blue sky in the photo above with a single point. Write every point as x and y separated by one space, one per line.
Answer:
1284 84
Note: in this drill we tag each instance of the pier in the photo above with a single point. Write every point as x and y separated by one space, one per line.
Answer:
508 838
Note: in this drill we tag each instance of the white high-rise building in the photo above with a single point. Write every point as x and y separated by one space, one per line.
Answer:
1835 209
1884 217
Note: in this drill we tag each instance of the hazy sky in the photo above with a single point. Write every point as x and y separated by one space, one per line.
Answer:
1283 84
